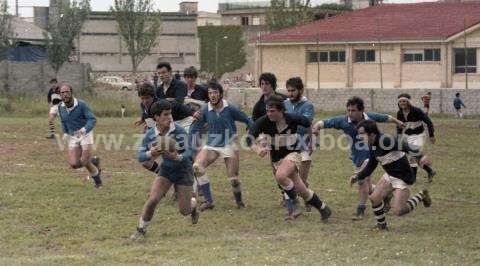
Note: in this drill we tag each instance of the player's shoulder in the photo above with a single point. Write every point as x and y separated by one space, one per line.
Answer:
179 130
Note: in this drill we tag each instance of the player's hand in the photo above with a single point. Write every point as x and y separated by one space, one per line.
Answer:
156 151
432 140
197 115
81 132
260 151
401 125
65 137
316 129
139 122
172 155
353 179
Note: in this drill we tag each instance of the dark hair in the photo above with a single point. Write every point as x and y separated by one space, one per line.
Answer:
190 71
53 81
159 106
429 92
146 90
295 82
276 101
215 86
404 95
357 101
457 94
166 65
370 126
270 78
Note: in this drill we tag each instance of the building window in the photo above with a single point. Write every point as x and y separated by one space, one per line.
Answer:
428 55
323 56
470 65
245 21
364 56
326 56
256 21
432 54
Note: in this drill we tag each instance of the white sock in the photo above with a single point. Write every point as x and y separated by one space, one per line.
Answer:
143 224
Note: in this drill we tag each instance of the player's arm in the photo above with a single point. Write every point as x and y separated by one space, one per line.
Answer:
142 118
333 122
431 130
91 120
196 127
181 93
367 171
385 118
399 129
253 133
241 117
145 154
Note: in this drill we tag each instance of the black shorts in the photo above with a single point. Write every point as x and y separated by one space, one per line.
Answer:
181 177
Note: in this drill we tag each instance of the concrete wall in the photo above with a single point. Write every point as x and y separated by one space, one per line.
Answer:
101 46
35 76
381 100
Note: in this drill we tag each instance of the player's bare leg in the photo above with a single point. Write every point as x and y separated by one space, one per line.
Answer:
203 159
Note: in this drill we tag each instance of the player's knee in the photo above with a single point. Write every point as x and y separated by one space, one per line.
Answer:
198 169
75 165
375 199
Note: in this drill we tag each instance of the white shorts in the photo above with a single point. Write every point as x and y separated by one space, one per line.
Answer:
224 152
306 157
293 157
416 140
53 110
74 141
395 182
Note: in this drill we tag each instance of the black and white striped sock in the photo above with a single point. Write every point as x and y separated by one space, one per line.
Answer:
379 213
414 201
52 129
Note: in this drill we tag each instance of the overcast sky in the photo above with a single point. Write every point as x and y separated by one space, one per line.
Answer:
164 5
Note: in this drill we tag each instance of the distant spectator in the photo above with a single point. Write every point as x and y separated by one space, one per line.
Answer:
426 101
123 109
458 104
177 75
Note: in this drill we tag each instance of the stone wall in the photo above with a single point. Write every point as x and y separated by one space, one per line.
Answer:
382 100
35 76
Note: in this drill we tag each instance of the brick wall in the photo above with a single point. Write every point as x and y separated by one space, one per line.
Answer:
382 100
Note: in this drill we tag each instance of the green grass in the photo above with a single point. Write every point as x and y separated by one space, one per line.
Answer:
50 216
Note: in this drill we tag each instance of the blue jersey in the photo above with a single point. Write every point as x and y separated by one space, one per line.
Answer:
176 132
359 150
77 117
221 124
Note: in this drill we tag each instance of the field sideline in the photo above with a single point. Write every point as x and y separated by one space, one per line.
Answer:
50 215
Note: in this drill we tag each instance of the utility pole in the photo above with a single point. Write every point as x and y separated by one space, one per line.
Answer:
380 53
465 50
16 8
318 61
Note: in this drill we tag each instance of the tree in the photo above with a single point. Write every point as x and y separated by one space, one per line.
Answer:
288 13
65 24
6 33
139 24
222 49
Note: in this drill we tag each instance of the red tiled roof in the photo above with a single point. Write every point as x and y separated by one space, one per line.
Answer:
395 22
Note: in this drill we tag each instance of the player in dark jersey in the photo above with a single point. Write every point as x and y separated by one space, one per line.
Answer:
281 129
391 154
414 118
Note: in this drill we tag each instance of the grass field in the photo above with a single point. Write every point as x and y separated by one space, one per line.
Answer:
50 215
